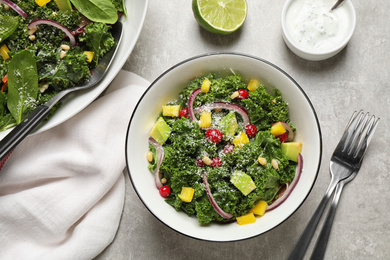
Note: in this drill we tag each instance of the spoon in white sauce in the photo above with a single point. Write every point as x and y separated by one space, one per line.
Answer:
336 5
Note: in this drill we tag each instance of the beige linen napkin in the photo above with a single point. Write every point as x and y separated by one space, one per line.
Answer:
62 191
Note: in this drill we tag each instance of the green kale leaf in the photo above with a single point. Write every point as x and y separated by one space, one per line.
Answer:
62 73
97 39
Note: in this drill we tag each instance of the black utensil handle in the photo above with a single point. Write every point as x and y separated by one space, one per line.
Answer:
14 137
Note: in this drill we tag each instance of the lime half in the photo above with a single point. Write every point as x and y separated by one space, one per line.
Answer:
220 16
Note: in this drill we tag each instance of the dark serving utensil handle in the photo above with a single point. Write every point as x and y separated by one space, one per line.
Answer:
304 241
14 137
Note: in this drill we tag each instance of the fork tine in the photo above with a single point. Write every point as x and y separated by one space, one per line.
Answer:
366 138
351 146
349 130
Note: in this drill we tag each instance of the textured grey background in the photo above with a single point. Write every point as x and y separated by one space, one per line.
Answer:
357 78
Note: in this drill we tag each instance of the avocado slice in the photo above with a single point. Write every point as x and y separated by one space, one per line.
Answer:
291 150
63 5
243 182
228 125
160 131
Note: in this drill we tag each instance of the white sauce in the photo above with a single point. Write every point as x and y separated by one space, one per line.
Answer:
312 26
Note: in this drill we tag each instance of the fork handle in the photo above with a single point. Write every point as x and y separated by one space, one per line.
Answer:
304 241
10 141
322 242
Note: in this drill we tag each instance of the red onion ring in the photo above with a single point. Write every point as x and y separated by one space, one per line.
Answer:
212 200
79 30
290 187
160 157
55 24
225 105
15 7
191 104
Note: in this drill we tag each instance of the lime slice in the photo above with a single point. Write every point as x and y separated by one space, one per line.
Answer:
220 16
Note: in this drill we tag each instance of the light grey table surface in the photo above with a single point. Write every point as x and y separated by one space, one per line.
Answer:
357 78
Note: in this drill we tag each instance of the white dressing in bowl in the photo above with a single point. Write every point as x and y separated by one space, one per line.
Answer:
314 32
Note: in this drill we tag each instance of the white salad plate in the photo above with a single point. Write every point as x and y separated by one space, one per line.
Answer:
77 101
167 87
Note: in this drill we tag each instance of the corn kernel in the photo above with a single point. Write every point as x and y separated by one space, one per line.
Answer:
186 194
260 208
246 219
205 119
4 52
205 86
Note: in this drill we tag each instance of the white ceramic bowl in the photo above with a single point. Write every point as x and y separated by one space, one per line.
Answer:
290 17
167 87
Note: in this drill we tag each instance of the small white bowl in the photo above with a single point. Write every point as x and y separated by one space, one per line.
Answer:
167 87
319 49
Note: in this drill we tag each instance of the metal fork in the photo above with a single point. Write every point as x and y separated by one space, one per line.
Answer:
346 160
322 241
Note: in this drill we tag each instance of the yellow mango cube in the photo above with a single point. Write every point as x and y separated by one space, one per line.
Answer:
42 2
240 140
260 208
205 119
4 52
89 55
205 86
253 85
172 111
186 194
278 129
246 219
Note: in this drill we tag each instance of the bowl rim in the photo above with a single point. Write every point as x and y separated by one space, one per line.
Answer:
333 50
223 54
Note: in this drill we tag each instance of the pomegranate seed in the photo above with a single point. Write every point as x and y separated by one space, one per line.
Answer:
214 135
199 162
250 130
243 94
216 162
228 148
165 191
283 137
183 112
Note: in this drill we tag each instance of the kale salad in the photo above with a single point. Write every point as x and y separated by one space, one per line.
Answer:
225 150
47 46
